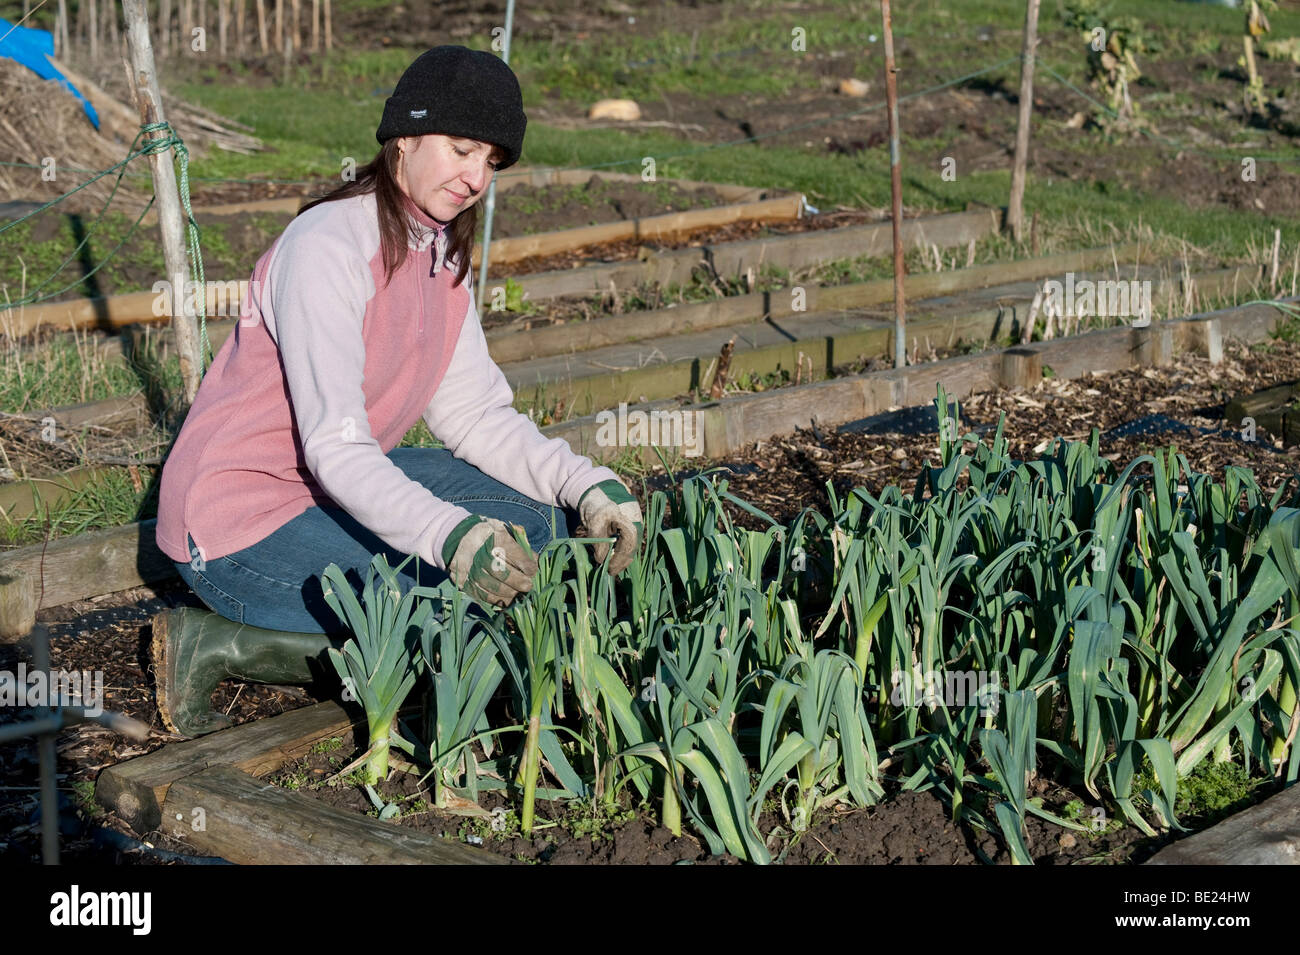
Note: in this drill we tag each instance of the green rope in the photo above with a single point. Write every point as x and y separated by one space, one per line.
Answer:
90 231
1286 308
196 256
157 145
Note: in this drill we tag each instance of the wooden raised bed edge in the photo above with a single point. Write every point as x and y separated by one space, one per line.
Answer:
509 345
133 307
205 791
1267 833
506 346
733 422
119 558
823 339
954 229
518 176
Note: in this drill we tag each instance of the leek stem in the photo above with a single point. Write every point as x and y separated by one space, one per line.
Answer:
532 759
672 811
1286 699
376 767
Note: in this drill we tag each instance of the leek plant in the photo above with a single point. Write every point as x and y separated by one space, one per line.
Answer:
462 661
1135 617
378 664
827 732
538 620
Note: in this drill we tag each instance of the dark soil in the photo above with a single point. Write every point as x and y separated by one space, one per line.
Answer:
732 232
783 475
525 210
906 828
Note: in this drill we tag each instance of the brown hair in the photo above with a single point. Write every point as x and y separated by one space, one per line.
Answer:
380 177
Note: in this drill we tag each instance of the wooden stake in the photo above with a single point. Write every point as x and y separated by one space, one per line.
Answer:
164 26
79 29
315 25
239 26
896 190
1277 249
223 25
92 29
113 39
171 225
279 26
1016 205
61 30
261 25
294 31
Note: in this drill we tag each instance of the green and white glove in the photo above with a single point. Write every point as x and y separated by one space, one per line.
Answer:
485 560
608 509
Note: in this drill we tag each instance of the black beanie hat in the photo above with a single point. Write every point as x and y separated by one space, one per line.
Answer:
456 91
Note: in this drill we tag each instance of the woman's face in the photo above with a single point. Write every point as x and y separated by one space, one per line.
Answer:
445 175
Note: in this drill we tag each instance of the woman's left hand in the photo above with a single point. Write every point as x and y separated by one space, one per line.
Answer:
608 509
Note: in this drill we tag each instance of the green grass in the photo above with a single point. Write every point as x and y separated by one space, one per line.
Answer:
109 502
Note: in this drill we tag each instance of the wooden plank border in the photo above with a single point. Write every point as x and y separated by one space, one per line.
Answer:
206 792
223 298
135 789
825 339
107 561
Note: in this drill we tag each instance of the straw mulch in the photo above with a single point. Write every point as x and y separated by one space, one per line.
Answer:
40 118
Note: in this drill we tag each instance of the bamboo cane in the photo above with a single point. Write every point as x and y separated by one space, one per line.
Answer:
111 15
61 30
1016 205
896 190
164 26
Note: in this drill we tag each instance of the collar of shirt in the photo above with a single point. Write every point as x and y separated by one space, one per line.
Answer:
427 231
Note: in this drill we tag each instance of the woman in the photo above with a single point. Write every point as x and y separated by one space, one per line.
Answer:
359 321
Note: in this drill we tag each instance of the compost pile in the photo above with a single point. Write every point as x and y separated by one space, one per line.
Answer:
1065 617
40 118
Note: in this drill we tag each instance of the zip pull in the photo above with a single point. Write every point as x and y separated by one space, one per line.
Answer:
439 252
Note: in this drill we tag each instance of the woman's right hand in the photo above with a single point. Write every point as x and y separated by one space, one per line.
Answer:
485 560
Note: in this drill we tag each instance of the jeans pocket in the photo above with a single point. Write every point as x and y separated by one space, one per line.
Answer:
217 600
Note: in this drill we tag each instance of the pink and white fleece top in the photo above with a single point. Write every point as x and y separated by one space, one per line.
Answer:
326 371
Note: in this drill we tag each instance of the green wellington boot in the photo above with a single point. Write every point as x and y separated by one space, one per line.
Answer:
194 650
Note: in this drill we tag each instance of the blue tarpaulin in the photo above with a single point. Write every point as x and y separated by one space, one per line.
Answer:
30 48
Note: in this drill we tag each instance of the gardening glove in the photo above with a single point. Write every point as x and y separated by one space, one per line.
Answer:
485 560
608 509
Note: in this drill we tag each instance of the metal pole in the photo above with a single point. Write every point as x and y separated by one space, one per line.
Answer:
491 201
896 190
46 755
170 223
1016 204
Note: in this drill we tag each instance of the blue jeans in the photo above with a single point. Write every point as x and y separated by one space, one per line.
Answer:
275 583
